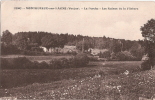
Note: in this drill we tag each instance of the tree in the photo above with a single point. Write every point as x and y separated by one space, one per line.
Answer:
48 41
148 32
137 50
83 44
62 40
115 46
21 41
8 49
7 37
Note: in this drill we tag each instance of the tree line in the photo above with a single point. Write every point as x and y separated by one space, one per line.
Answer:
32 40
26 40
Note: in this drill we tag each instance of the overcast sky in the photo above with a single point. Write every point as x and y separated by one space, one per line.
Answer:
123 24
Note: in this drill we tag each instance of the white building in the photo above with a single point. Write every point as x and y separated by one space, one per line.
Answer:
96 51
44 49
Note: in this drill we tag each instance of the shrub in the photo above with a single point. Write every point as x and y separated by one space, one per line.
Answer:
64 62
36 64
55 63
146 65
22 62
91 58
9 49
81 60
37 49
105 54
125 56
71 52
121 56
44 65
113 56
60 63
4 63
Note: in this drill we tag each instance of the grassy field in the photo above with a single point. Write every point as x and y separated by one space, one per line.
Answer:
38 58
99 80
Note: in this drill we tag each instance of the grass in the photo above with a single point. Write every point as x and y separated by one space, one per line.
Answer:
96 81
38 58
19 77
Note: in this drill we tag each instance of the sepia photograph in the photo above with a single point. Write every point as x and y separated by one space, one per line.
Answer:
77 50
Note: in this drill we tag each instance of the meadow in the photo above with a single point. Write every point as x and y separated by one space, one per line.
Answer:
38 58
111 80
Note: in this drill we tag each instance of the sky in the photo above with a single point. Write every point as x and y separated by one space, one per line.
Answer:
120 24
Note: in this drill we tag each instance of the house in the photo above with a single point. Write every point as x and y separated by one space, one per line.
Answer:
70 49
95 52
66 49
56 50
44 49
51 50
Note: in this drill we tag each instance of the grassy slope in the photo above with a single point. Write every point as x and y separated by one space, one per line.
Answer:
86 83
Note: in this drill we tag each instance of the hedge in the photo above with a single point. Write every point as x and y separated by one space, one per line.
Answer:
79 60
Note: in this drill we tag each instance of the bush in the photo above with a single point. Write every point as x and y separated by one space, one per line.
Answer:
44 65
9 49
81 60
72 52
22 62
91 58
105 54
125 56
4 63
14 63
37 49
60 63
55 64
146 65
64 62
37 65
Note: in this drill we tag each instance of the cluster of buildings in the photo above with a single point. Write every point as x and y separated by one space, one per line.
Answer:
66 49
71 49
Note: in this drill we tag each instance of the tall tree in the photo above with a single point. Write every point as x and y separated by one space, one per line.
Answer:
137 50
115 46
49 41
85 44
7 37
148 32
21 42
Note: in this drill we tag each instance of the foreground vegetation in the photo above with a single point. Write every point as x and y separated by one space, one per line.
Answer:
96 81
112 87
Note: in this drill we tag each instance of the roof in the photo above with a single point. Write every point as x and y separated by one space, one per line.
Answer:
96 51
69 47
99 50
